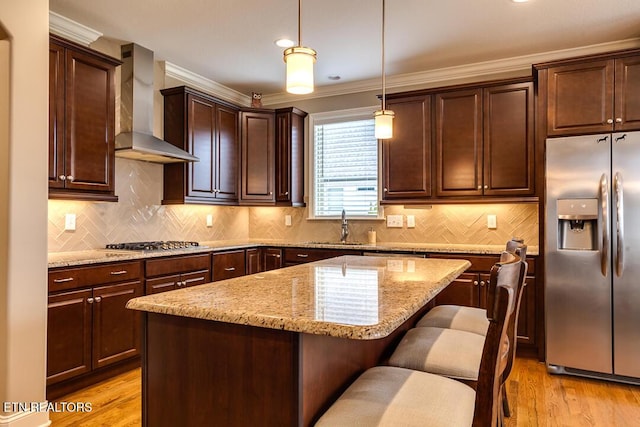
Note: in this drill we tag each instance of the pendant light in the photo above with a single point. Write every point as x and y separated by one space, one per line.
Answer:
299 60
383 118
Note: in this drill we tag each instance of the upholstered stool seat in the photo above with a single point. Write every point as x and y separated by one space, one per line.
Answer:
461 318
391 396
449 352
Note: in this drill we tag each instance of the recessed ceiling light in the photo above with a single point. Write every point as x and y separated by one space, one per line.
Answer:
519 1
285 43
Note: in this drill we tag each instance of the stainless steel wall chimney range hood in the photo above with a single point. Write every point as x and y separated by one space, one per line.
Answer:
136 140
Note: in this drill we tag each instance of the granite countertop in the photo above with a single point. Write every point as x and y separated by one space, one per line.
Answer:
348 297
69 259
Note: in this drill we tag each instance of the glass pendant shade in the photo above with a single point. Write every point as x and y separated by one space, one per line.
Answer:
383 124
299 68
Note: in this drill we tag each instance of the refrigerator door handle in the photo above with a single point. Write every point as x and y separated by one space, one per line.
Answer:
604 204
618 188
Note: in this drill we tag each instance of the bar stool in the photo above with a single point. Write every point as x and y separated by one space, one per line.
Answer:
392 396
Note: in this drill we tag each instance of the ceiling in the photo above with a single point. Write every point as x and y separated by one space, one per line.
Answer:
232 41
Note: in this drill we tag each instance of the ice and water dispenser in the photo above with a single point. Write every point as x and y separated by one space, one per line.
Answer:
578 224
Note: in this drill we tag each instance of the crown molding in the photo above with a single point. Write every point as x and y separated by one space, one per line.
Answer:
199 82
442 76
72 30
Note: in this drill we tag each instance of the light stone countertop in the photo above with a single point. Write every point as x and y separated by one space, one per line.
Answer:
97 256
348 297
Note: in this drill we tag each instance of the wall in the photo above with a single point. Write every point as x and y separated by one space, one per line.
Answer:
23 195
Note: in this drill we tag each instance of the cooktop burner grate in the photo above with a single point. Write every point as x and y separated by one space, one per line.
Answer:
153 246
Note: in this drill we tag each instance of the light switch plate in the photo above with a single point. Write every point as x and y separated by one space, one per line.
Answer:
70 222
411 221
209 220
492 222
394 221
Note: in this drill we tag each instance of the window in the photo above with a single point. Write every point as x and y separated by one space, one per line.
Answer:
344 165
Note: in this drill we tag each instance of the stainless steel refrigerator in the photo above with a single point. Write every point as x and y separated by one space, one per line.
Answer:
592 256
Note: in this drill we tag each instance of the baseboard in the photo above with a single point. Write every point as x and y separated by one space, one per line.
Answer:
25 419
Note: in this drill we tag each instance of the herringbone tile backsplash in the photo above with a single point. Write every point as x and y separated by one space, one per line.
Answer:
139 216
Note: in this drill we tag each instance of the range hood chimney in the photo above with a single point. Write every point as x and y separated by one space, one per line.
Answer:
135 140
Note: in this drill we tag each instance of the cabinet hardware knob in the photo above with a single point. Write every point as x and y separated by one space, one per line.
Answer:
70 178
475 283
271 193
117 273
62 178
482 283
486 186
66 279
618 119
286 193
609 121
98 299
479 187
386 189
230 269
90 300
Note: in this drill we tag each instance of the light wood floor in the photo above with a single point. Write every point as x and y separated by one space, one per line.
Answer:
537 399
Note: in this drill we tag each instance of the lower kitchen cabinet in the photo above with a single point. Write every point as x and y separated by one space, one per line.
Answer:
271 259
470 289
254 260
89 327
167 274
293 256
227 265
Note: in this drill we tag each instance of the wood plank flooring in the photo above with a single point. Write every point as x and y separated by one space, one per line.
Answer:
537 399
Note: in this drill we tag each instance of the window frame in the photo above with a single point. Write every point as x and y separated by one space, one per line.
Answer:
351 114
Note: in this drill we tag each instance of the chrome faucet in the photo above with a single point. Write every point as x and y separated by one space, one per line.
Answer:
344 231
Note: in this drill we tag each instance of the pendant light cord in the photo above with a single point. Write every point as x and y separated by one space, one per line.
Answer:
299 20
383 75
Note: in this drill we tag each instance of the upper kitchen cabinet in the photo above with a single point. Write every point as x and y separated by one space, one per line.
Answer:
258 147
484 142
406 158
592 94
81 122
290 157
207 128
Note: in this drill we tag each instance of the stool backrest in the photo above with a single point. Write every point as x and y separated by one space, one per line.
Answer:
519 248
506 276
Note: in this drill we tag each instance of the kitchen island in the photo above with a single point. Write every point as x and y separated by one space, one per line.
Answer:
276 348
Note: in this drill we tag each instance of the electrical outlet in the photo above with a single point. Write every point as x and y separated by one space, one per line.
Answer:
411 221
287 220
394 221
492 222
209 220
70 222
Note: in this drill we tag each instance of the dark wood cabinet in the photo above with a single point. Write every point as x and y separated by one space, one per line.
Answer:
290 157
293 256
254 260
272 258
470 289
593 96
81 122
484 141
230 264
207 128
89 327
166 274
257 179
406 158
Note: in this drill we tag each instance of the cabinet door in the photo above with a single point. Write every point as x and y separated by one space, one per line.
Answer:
272 258
116 330
527 316
258 149
253 258
227 265
68 335
508 140
290 157
458 143
201 143
627 101
89 123
580 98
226 164
56 116
406 158
462 291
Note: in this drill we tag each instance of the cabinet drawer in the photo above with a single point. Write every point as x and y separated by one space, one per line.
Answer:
227 265
177 264
71 278
297 255
484 263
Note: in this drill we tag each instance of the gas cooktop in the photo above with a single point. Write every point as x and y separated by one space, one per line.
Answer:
153 246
